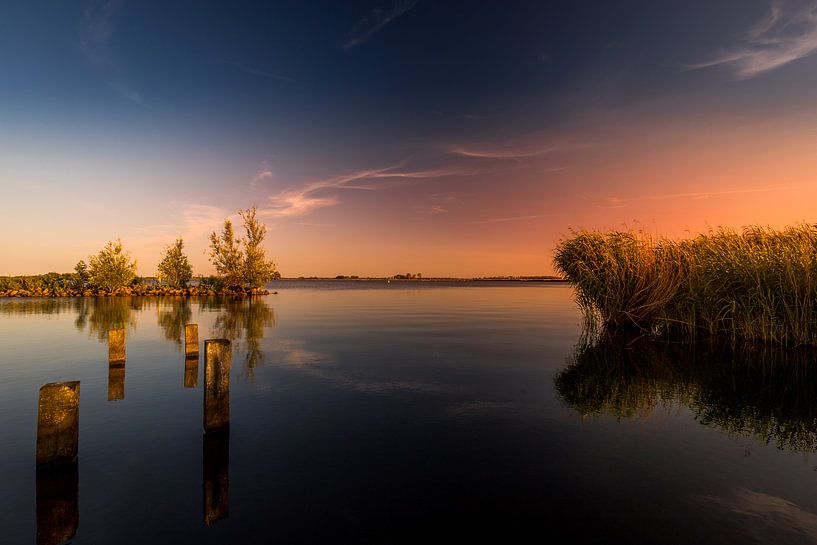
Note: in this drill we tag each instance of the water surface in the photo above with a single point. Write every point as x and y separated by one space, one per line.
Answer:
373 413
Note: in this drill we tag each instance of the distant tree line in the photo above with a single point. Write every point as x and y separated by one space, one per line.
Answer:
239 263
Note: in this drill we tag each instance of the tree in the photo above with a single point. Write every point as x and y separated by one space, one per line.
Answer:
225 254
81 276
175 268
257 270
112 267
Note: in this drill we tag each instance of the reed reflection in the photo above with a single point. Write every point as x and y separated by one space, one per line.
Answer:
244 319
761 391
57 503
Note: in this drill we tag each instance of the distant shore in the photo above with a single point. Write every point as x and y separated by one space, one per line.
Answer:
60 286
429 279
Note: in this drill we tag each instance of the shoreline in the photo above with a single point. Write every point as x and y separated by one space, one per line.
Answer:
135 291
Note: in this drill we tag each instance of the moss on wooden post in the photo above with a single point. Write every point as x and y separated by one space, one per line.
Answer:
58 423
218 358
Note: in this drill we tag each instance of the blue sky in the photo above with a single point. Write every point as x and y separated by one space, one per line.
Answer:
453 137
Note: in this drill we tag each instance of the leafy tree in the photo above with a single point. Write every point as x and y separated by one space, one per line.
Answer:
257 270
112 267
174 268
81 276
225 254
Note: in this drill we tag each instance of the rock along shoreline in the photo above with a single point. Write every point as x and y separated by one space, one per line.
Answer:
146 291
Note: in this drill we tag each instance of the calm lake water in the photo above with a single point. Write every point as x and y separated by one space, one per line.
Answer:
403 413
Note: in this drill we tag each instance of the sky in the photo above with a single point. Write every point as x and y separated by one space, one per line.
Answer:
450 138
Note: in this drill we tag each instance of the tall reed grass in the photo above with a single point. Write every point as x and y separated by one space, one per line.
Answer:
758 284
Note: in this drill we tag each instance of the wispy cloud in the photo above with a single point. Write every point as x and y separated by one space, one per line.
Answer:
439 203
506 219
262 175
431 209
263 73
313 196
500 152
95 32
376 20
194 221
619 202
786 34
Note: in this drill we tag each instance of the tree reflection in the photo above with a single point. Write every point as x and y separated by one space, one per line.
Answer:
243 318
101 314
762 391
173 313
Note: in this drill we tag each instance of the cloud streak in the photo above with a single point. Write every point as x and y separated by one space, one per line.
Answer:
618 202
95 32
311 197
375 20
263 73
785 35
506 219
500 152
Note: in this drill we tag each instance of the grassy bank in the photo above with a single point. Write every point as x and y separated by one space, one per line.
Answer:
759 284
68 285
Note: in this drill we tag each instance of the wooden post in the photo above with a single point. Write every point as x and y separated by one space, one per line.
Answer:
58 423
116 345
191 339
216 481
57 503
116 381
218 358
191 371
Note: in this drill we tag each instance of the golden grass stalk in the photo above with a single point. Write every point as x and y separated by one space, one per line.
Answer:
758 284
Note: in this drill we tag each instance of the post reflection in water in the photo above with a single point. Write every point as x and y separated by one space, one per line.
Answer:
57 503
762 391
116 381
191 371
216 476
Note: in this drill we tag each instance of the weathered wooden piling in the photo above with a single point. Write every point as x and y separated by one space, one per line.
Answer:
218 358
116 345
191 339
116 381
191 371
57 503
216 481
58 423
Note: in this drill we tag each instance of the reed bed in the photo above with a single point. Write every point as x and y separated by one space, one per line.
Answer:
756 285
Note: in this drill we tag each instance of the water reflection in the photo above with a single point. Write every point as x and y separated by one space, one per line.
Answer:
760 391
57 503
101 314
191 371
242 319
27 307
116 381
173 313
216 476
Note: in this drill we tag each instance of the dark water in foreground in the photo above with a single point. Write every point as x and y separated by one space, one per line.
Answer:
406 413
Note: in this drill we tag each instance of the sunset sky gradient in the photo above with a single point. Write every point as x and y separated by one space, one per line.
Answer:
450 138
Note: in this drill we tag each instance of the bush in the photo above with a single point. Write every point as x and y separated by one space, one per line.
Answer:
112 267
